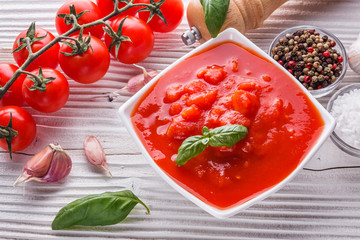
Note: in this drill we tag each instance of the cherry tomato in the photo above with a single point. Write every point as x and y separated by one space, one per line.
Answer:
55 95
142 40
22 122
107 6
173 11
14 95
88 67
92 14
47 59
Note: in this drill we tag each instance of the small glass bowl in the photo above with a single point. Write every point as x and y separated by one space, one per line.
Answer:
334 137
339 47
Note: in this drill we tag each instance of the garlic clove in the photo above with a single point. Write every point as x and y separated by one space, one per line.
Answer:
354 56
60 167
95 153
37 166
51 164
135 83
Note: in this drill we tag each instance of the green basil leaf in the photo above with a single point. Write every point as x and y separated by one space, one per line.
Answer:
215 12
97 210
191 147
227 135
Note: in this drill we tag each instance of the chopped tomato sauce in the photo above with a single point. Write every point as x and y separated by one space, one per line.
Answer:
228 84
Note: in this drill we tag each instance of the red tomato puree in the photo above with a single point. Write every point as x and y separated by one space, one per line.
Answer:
228 84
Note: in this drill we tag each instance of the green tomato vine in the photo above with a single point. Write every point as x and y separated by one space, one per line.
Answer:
153 8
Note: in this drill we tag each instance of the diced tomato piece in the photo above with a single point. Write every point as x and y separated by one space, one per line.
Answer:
235 65
266 78
146 110
191 113
234 117
245 102
217 174
226 102
248 86
203 100
179 128
229 84
173 93
213 75
175 108
275 112
195 86
232 65
212 120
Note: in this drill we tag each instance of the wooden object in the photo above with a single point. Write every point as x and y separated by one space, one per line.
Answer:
242 15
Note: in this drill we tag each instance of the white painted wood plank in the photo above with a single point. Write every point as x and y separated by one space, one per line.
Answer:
315 205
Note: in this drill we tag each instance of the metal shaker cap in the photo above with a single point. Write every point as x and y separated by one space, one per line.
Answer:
191 36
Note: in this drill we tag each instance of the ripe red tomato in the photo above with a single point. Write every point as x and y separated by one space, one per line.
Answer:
14 95
55 95
88 67
142 40
47 59
107 6
22 122
92 14
173 11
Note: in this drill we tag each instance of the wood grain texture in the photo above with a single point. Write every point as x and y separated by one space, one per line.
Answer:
314 205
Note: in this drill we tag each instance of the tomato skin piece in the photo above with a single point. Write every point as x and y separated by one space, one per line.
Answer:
92 14
53 98
88 67
173 11
245 102
23 123
107 6
14 95
47 59
141 36
213 75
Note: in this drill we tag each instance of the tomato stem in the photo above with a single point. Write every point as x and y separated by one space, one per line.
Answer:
28 43
75 27
8 133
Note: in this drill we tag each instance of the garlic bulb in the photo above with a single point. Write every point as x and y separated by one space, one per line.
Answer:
354 56
51 164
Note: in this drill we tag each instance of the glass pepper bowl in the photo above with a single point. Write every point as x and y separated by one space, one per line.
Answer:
339 47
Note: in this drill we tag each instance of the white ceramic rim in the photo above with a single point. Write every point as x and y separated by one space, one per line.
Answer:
235 36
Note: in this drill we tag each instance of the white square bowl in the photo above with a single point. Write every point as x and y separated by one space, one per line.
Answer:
228 35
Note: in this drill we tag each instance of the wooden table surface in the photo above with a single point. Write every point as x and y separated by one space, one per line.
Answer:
321 202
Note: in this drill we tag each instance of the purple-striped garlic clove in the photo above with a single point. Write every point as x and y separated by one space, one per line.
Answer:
95 153
51 164
59 169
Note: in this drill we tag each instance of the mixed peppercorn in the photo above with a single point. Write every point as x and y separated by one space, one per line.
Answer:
311 58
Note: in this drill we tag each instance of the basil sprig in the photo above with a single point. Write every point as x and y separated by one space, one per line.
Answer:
97 210
215 12
227 136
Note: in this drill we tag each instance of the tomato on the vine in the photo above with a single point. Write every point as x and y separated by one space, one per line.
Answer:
107 6
86 12
50 99
141 36
13 96
172 10
87 67
22 122
47 59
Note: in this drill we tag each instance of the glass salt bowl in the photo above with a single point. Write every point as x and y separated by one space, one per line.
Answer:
317 93
337 140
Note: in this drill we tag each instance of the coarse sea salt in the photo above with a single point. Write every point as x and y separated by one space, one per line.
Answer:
346 111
